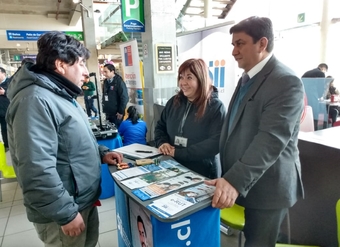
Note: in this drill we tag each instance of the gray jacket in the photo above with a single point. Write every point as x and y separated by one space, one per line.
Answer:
259 154
54 152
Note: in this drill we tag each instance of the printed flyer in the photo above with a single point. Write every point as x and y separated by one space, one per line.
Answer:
175 203
168 170
168 185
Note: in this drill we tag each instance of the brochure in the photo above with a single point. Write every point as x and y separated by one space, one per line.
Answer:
168 170
168 185
135 171
175 203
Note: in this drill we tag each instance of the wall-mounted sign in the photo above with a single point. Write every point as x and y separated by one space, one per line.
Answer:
18 35
77 35
21 57
133 16
23 35
301 18
164 58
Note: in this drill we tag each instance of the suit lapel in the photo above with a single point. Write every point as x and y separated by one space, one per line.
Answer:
259 80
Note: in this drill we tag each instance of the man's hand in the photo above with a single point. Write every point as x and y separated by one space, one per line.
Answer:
112 158
2 91
225 194
167 149
75 227
119 116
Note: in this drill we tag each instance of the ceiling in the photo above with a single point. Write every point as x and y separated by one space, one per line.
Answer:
106 14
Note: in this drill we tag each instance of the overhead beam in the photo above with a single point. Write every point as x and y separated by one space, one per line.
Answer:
75 15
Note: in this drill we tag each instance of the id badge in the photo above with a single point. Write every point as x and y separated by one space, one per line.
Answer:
106 97
181 141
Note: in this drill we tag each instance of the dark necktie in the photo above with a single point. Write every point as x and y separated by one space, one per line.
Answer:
245 79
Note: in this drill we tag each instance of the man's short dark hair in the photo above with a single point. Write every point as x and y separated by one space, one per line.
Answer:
323 65
139 219
57 45
27 60
257 28
110 67
2 70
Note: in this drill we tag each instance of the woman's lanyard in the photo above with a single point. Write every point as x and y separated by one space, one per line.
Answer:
187 109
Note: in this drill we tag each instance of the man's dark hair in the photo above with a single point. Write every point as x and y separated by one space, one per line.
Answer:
139 219
57 45
27 60
110 67
323 65
2 70
257 28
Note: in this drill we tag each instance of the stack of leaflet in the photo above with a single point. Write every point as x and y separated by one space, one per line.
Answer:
158 180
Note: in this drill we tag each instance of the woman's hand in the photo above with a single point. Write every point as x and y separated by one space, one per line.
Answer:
167 149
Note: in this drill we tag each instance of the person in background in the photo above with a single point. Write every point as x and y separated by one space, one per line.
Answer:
115 95
133 129
54 152
261 169
4 102
314 90
89 89
27 60
319 72
333 111
190 124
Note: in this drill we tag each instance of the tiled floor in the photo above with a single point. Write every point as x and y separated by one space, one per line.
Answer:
17 231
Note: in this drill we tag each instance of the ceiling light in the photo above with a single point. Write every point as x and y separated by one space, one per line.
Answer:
18 44
76 1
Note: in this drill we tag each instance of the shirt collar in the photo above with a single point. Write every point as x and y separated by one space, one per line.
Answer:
258 67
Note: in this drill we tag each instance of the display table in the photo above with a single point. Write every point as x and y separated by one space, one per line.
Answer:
313 219
198 225
107 182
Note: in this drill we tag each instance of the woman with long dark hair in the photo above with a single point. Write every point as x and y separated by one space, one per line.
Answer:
190 125
133 129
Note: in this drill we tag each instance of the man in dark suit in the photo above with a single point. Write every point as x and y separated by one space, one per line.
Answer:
258 146
4 102
115 96
318 72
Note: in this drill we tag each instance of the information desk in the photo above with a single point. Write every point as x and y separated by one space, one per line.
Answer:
198 225
313 219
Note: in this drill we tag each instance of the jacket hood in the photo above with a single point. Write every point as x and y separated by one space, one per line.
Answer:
25 77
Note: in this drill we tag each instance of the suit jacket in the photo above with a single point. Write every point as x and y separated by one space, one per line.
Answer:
259 155
314 73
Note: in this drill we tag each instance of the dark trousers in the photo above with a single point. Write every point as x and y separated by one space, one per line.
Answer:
90 106
262 226
113 119
4 131
333 113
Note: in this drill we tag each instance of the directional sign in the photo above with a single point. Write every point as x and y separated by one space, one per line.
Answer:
301 18
77 35
17 35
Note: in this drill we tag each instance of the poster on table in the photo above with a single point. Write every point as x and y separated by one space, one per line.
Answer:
141 227
132 74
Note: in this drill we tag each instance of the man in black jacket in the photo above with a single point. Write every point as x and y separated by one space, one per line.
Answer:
4 102
318 72
115 96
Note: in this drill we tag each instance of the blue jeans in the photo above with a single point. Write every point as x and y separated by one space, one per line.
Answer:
90 106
